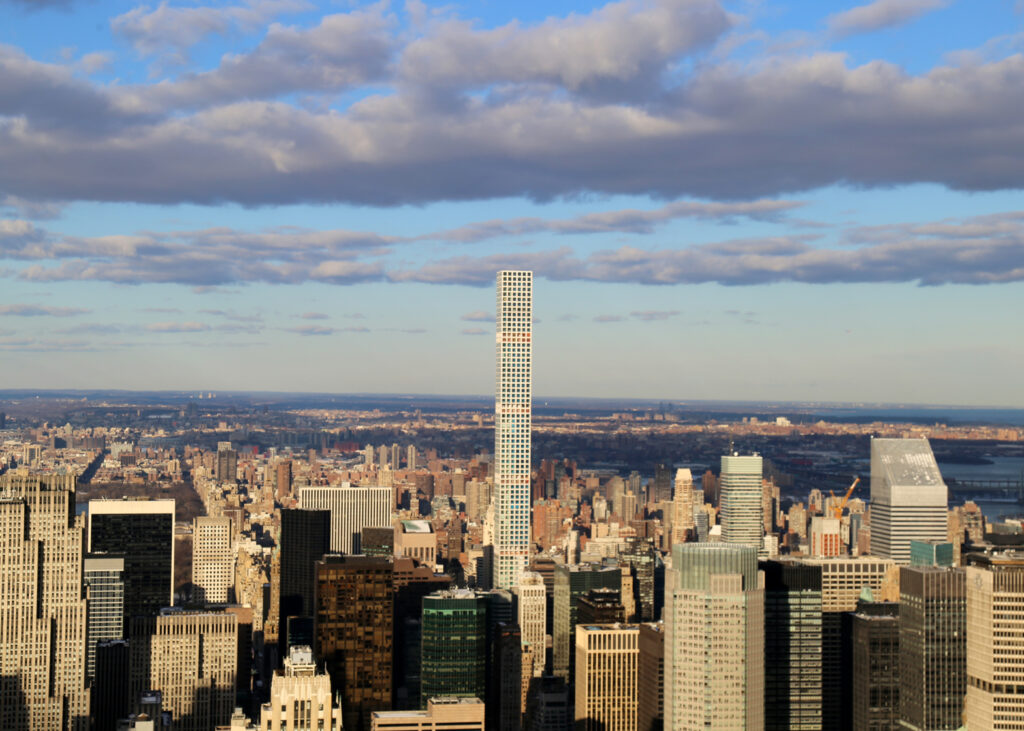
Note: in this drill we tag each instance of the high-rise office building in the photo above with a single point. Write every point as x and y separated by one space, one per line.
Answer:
454 645
42 605
300 697
355 632
513 425
110 691
792 645
933 647
995 641
572 582
682 506
606 677
532 611
104 581
714 638
740 489
650 677
192 659
352 508
843 580
410 458
227 463
643 561
143 532
213 561
908 497
283 473
875 666
305 538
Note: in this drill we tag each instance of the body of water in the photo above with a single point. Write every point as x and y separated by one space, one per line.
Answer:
1002 468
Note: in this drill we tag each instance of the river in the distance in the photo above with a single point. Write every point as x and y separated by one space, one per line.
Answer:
1002 468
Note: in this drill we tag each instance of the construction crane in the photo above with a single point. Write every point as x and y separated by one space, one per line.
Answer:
839 510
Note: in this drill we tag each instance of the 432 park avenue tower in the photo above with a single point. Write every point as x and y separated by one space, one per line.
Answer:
512 425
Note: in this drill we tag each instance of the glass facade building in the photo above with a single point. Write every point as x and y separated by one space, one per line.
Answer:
454 645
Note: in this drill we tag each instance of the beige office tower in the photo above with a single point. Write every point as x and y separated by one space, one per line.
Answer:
42 605
192 659
213 561
410 458
995 641
605 683
442 714
300 697
532 618
682 506
908 497
714 639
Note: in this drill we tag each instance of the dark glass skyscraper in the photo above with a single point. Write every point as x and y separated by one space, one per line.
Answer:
933 647
792 645
875 666
454 642
305 538
143 532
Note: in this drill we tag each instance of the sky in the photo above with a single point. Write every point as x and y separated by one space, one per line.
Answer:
747 200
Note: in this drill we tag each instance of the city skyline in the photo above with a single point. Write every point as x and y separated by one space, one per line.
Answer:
758 203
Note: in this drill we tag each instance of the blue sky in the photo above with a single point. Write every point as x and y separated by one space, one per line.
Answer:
720 200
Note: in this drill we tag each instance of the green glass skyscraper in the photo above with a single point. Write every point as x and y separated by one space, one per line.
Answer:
454 645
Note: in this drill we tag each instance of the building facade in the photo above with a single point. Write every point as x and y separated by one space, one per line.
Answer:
192 659
740 495
532 615
213 560
143 532
792 653
104 581
875 667
714 638
995 641
572 582
513 424
355 632
300 697
606 677
42 605
352 508
933 647
682 506
442 714
454 645
908 497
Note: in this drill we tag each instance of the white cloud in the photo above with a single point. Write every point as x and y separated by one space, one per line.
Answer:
881 14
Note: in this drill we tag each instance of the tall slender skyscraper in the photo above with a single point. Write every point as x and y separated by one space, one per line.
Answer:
740 486
908 497
512 425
